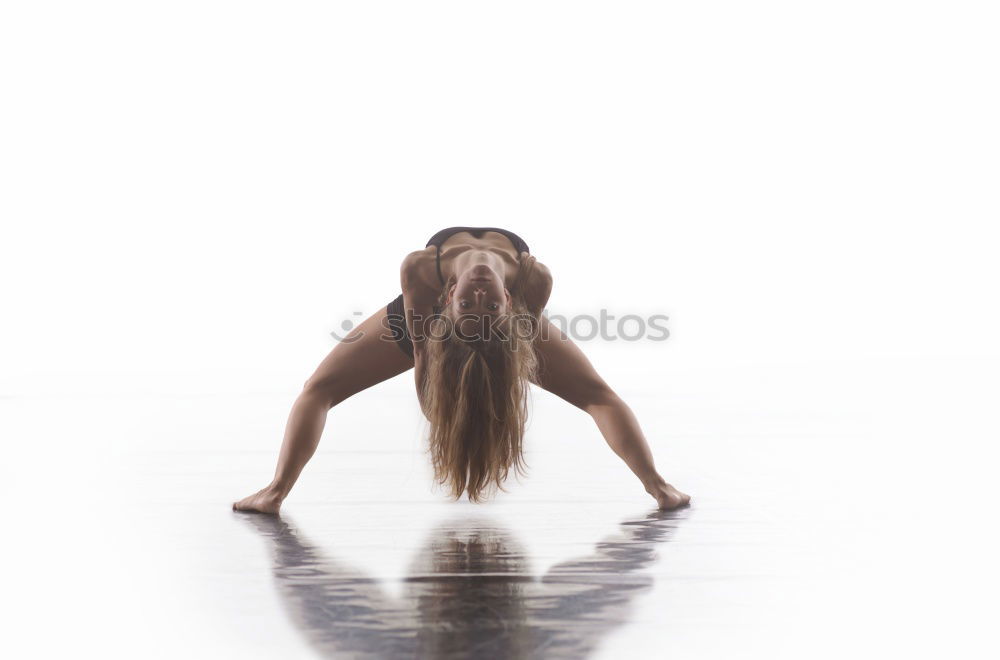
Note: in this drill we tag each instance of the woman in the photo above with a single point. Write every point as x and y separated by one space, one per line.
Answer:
469 322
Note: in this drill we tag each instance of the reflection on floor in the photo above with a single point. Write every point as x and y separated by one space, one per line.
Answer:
821 527
468 593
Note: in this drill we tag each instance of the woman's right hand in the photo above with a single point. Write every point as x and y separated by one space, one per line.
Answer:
265 500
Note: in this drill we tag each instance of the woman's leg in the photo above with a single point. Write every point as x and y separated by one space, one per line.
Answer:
566 372
366 357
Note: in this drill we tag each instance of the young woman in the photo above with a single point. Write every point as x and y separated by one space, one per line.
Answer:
469 323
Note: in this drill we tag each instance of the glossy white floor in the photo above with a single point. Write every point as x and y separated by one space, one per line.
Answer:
839 510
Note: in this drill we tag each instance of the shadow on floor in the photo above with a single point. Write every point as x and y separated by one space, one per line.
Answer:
468 593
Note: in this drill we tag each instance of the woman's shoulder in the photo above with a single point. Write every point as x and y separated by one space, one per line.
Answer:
538 269
427 254
418 264
533 272
418 275
534 282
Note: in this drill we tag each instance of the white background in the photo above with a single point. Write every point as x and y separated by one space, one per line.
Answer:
194 194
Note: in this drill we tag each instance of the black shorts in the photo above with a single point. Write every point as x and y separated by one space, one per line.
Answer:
397 324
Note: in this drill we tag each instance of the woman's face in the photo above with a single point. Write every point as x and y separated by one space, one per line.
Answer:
478 295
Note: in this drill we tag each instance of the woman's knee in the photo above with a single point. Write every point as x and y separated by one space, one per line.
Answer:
325 390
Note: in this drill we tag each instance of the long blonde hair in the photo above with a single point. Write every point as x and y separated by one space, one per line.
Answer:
475 396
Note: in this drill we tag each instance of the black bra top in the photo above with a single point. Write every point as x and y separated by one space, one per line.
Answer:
443 235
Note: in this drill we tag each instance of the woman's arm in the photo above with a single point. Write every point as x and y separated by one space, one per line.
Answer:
537 285
364 358
566 372
421 290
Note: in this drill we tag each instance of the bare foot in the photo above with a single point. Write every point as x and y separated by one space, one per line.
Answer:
668 497
265 500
